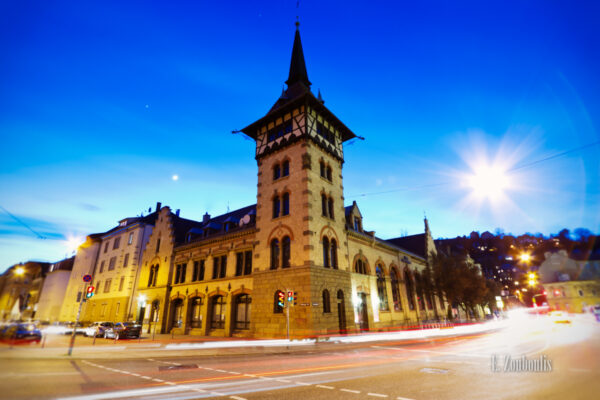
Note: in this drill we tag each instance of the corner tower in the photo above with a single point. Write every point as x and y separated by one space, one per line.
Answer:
301 238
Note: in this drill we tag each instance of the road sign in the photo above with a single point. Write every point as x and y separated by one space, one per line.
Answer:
87 278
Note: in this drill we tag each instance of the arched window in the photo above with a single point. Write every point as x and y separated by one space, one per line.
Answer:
326 252
285 170
420 294
326 302
285 252
195 312
176 316
274 254
242 312
361 267
153 275
276 206
322 165
286 204
381 289
217 314
330 203
278 302
333 259
324 205
409 289
276 172
329 173
396 289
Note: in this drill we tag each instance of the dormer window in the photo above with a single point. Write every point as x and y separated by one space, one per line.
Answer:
357 224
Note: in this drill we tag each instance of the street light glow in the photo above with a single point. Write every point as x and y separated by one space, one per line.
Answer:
525 257
19 271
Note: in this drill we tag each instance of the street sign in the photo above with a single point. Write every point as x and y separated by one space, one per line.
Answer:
87 278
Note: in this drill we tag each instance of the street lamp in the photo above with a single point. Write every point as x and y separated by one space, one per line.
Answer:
142 300
525 257
19 271
532 279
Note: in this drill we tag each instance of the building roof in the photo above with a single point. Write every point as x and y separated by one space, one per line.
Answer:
297 65
216 226
414 243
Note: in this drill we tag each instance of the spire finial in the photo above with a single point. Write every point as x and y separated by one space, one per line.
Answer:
297 65
297 15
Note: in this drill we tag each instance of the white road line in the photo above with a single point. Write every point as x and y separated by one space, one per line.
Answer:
170 383
283 380
220 370
157 380
146 377
303 383
134 374
350 391
236 398
234 373
250 375
377 395
324 387
403 398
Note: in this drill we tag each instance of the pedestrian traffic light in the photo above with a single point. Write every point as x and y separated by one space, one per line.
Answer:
281 299
90 292
290 296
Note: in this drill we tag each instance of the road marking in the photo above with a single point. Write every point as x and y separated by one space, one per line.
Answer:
233 372
134 374
236 398
220 370
250 375
146 377
303 383
350 391
403 398
283 380
377 395
324 387
157 380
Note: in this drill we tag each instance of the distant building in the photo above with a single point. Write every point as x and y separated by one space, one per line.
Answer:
21 288
53 290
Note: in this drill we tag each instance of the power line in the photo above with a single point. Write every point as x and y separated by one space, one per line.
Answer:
23 223
516 168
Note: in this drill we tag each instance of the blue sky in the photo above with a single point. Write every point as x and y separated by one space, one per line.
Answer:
102 102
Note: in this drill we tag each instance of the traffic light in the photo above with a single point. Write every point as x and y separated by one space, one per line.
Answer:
281 299
90 292
295 297
290 296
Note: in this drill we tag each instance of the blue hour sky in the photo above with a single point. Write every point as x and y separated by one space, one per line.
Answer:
102 102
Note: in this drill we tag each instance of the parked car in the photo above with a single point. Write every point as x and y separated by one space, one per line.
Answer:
97 329
122 330
22 332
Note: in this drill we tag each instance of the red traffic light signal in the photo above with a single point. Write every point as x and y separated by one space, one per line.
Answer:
290 295
280 299
90 292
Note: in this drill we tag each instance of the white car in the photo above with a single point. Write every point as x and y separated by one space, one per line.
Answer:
97 329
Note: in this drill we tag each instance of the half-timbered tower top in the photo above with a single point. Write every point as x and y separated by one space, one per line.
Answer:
297 114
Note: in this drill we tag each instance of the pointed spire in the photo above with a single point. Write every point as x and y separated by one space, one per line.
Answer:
320 98
298 66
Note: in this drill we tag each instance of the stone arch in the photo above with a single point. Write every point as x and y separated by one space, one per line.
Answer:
279 232
360 256
329 232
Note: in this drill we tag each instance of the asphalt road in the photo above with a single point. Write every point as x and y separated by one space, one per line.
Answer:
444 368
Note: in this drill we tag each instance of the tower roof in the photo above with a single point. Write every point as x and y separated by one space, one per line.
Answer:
297 65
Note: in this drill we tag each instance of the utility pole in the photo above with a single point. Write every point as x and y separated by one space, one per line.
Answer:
84 296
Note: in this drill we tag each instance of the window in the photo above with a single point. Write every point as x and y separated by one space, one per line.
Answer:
116 242
322 168
121 283
274 254
277 306
333 258
153 275
276 206
330 203
111 263
395 289
196 312
285 170
106 247
97 287
356 224
219 267
248 262
409 289
107 285
158 245
101 266
180 270
326 252
130 240
581 293
381 289
126 260
279 131
198 272
361 267
117 308
329 173
217 314
285 252
276 172
286 204
324 205
242 312
326 302
325 133
243 263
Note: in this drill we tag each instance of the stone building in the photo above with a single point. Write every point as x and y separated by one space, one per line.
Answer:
226 275
53 290
21 289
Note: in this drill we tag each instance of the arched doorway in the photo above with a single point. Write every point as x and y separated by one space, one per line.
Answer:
176 313
241 311
217 312
194 320
361 310
341 312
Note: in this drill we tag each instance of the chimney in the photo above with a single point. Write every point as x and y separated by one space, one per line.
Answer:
158 204
177 212
206 218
